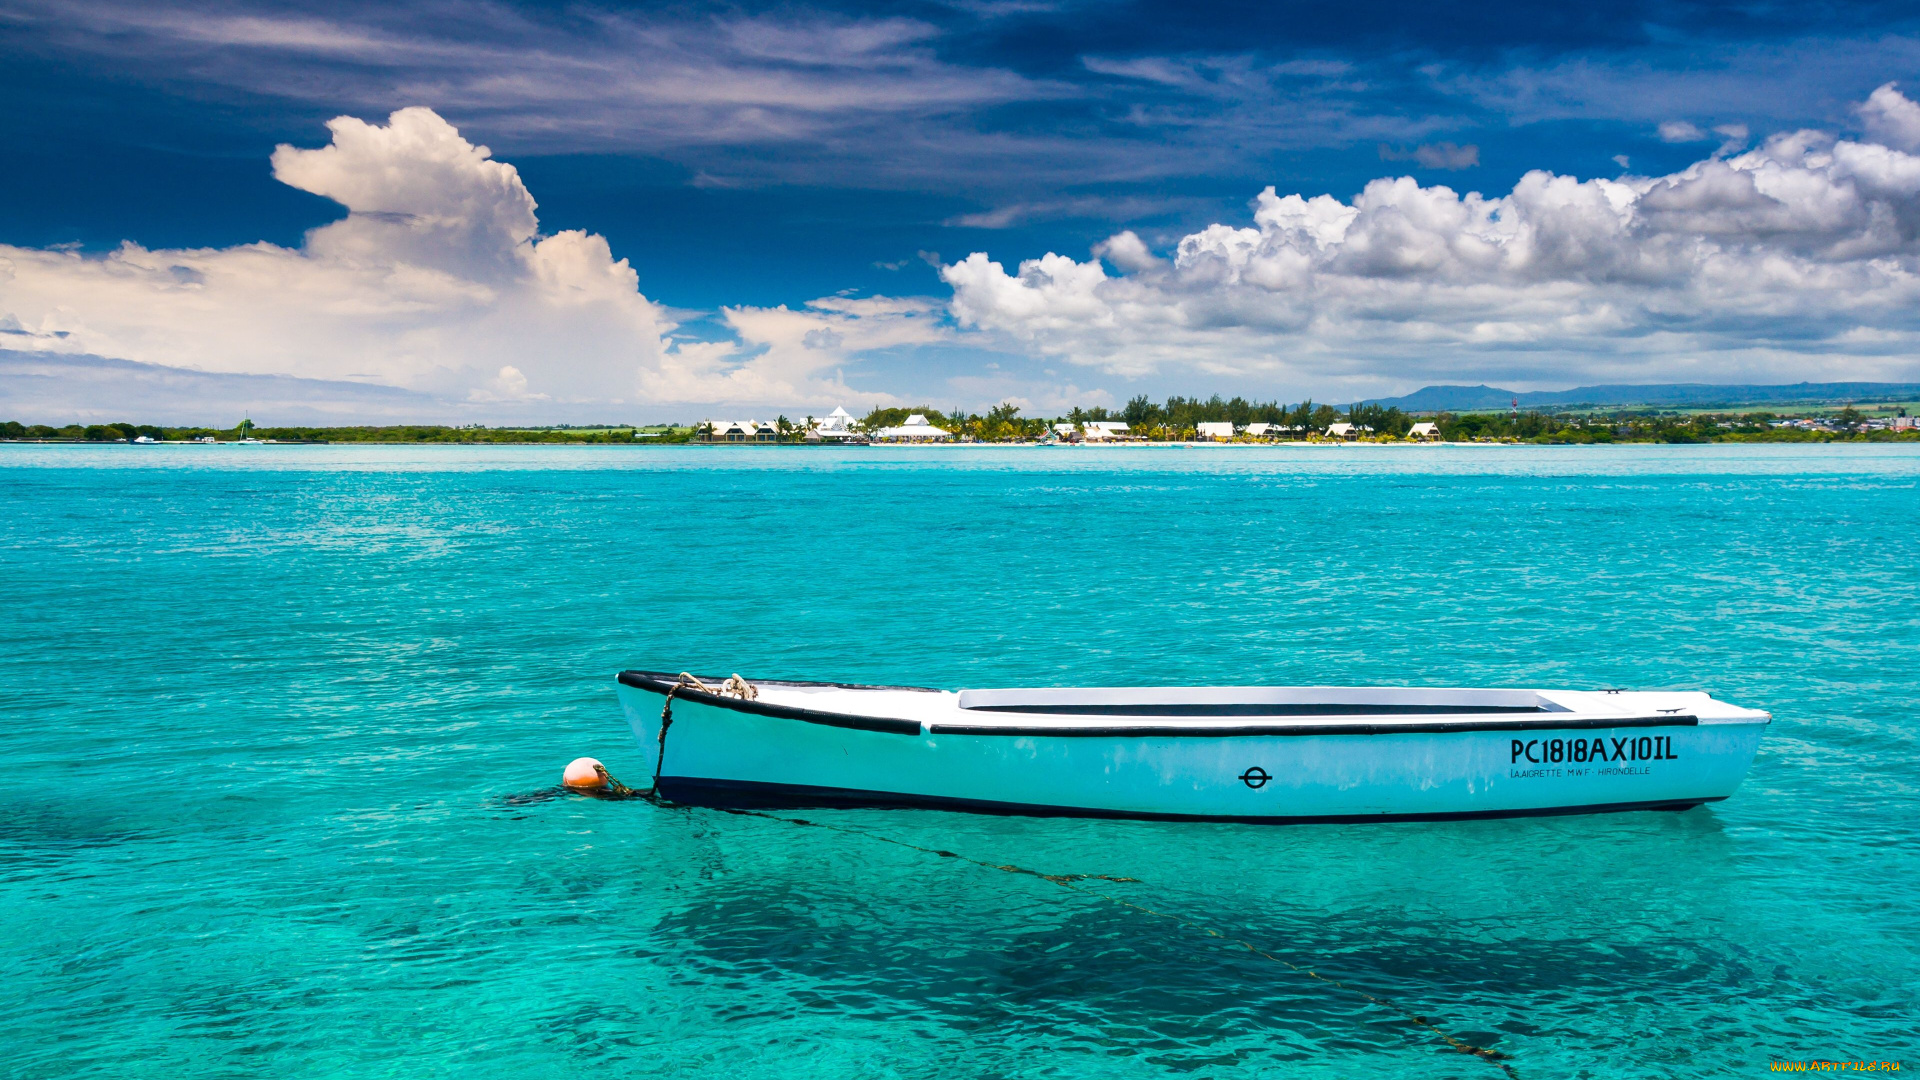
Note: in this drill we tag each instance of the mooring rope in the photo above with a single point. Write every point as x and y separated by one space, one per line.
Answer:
666 721
734 686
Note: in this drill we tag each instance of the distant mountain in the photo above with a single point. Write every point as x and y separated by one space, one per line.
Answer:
1697 395
61 388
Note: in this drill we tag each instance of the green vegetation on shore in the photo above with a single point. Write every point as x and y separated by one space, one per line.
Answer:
1174 420
1667 426
1178 418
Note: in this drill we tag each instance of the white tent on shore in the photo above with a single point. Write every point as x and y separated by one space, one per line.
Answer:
838 426
916 429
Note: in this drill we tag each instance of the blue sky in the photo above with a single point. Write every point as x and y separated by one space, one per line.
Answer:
748 157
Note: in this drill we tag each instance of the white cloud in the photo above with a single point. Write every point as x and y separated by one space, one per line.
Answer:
1102 207
787 357
1891 119
1127 251
437 281
509 385
1799 257
1680 131
1733 137
867 98
796 94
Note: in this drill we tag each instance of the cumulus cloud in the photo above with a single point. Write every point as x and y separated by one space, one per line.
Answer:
1891 119
1806 248
436 281
1127 251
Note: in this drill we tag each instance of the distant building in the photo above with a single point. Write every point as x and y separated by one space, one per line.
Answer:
1104 429
1341 430
837 427
739 431
1263 431
1427 432
1217 431
916 429
1903 423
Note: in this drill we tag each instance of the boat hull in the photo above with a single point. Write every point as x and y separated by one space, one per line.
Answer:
723 753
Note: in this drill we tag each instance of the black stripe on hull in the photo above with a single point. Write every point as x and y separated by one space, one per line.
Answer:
758 795
1191 731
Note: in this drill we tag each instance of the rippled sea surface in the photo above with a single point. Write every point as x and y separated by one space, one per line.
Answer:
266 714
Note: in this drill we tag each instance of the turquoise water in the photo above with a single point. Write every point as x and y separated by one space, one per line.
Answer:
267 709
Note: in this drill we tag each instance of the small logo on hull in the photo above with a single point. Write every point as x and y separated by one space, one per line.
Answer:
1255 778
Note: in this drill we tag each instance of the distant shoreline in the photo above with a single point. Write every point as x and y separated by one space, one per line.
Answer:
1904 438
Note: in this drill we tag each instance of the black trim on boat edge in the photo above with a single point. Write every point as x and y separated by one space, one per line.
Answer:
757 795
660 682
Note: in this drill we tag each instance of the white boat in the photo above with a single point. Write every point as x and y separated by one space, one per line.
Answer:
1256 754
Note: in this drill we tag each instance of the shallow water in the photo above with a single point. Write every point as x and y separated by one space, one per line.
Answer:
265 709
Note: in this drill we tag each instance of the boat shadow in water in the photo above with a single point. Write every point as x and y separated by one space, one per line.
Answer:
1010 961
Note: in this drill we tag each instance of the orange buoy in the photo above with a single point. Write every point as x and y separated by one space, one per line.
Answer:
586 774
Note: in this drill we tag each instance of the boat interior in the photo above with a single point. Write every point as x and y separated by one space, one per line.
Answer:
1257 701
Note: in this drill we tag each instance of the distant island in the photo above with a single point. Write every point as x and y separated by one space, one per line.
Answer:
126 431
1432 399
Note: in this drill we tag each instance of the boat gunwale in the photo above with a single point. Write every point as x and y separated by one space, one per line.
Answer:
662 683
669 678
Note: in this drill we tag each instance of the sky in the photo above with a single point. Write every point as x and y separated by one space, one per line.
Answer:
493 212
